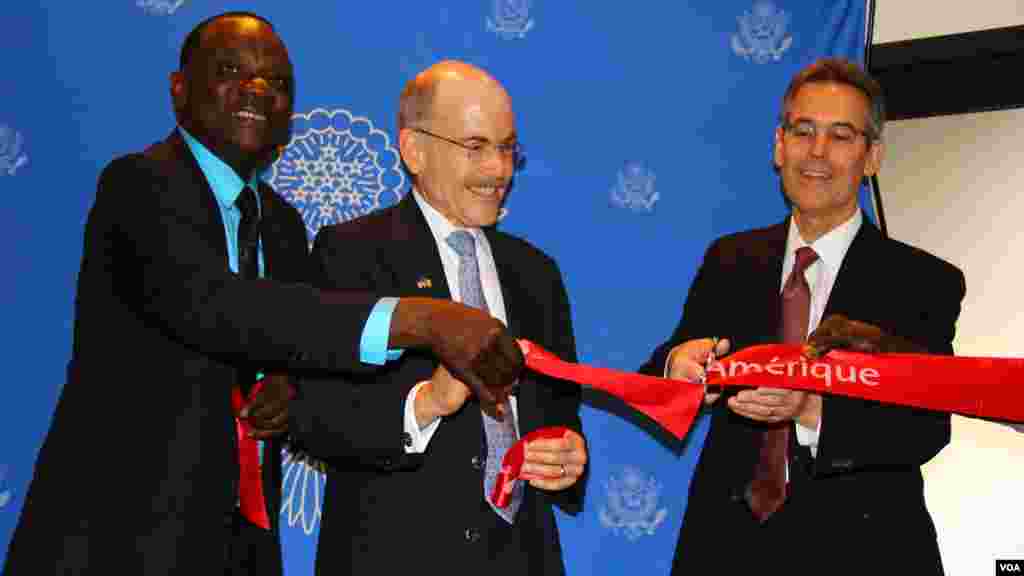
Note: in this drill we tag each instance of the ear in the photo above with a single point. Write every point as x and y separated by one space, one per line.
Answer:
779 152
874 160
179 90
412 154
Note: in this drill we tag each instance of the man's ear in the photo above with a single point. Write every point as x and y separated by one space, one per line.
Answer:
179 90
412 154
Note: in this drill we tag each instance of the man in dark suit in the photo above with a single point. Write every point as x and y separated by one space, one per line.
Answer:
408 448
175 307
847 488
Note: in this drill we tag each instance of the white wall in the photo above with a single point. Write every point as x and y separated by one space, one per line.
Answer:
953 185
909 19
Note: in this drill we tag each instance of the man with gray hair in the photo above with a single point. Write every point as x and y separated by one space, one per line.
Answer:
789 481
412 452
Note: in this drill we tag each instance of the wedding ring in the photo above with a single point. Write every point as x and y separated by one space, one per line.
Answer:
562 466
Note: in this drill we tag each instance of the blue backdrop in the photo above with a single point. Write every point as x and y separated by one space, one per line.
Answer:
648 129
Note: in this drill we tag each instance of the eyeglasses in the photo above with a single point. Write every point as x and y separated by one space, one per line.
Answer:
838 133
479 150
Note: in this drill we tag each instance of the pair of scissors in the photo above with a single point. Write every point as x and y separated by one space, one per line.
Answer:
713 389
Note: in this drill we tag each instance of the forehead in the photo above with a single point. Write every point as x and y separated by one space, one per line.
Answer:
830 102
240 34
474 107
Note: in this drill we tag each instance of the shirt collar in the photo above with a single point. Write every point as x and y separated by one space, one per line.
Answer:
224 181
440 227
831 247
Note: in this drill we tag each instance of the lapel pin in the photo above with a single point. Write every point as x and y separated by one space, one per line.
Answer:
424 282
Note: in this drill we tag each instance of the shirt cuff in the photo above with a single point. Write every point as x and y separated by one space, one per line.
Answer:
373 344
420 436
808 437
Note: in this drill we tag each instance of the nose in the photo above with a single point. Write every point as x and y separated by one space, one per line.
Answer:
256 84
494 163
820 143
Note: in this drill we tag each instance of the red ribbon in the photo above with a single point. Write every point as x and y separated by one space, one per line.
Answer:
512 463
982 387
250 481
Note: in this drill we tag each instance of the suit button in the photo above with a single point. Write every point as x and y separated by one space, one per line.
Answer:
406 439
867 516
386 463
477 462
472 535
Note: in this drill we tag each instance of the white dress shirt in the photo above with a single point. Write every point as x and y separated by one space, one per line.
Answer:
440 227
821 276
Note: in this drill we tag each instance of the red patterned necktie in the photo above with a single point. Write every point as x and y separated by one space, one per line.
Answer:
767 491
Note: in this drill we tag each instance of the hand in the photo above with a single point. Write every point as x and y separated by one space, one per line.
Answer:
442 395
555 463
774 405
687 361
475 347
839 332
267 413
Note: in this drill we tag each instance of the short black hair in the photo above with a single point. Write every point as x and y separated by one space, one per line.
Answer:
192 40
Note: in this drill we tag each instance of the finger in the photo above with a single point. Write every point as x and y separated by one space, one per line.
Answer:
265 434
549 445
768 393
553 485
544 457
723 347
279 421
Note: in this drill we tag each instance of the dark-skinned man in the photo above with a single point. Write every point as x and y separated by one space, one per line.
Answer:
188 287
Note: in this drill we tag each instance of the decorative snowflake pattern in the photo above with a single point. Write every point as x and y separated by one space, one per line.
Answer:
337 167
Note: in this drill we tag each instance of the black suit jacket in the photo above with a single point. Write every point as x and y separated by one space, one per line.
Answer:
161 328
859 504
387 512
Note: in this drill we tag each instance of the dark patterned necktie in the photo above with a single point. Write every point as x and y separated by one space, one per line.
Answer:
501 435
767 491
250 479
248 234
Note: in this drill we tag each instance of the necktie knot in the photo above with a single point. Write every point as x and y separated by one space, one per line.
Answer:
246 204
463 243
805 256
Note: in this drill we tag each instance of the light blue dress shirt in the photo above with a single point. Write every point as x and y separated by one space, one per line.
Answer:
227 185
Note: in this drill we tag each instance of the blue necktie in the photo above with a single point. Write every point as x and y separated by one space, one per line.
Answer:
500 435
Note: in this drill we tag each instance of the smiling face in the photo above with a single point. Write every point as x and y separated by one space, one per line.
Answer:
821 175
469 107
235 94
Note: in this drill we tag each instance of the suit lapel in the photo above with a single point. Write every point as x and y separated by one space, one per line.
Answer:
769 250
509 281
186 177
854 279
270 234
415 261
